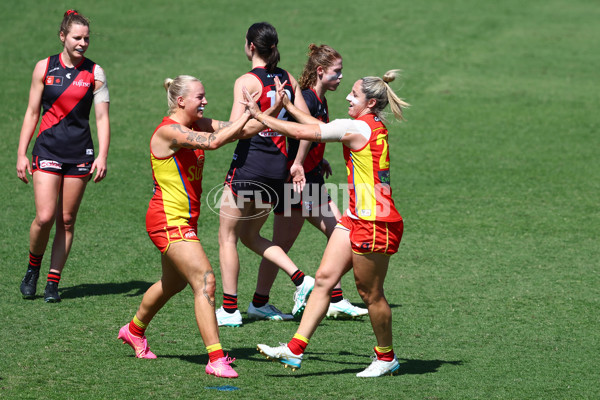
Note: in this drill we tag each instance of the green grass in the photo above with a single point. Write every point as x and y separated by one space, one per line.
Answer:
495 291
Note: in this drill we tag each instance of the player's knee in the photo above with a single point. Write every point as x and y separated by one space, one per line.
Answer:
205 284
67 221
324 280
44 220
369 295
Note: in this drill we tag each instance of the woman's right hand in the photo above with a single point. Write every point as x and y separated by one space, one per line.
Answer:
23 167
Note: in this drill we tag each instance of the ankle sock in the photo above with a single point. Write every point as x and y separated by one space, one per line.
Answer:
384 353
137 327
259 300
298 277
215 351
336 296
54 277
298 344
35 261
230 302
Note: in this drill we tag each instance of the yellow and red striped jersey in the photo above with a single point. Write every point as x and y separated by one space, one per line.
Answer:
368 171
177 187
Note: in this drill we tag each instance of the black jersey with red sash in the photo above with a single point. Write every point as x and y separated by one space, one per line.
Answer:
67 99
265 154
318 109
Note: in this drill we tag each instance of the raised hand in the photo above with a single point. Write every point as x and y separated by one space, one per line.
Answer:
281 95
249 103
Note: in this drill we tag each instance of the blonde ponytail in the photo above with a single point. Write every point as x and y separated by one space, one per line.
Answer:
379 89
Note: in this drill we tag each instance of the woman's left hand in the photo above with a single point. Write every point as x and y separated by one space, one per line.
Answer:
99 166
298 178
249 103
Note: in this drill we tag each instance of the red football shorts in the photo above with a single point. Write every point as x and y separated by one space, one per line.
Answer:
373 236
172 234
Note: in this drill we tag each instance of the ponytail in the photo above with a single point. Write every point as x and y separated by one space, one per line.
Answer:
265 39
379 89
323 56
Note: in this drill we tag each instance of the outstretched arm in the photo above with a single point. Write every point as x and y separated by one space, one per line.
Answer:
353 134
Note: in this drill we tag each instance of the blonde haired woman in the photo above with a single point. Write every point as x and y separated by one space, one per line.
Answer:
371 227
177 156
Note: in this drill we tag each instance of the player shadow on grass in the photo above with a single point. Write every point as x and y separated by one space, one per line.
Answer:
102 289
407 366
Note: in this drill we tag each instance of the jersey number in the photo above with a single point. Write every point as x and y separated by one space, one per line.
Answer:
271 95
384 163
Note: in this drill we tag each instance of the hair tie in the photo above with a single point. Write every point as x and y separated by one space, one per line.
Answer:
272 46
72 12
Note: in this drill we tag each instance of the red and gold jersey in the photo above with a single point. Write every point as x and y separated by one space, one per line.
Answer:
177 187
369 176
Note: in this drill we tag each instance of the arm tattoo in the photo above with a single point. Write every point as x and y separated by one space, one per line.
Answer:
206 276
203 139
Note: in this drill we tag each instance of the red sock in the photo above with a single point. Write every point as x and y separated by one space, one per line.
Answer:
136 330
230 302
297 346
387 356
215 352
54 277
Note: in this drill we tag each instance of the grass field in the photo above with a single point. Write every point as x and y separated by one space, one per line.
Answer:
496 289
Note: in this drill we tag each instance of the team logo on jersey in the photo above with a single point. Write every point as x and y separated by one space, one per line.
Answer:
200 160
68 75
365 213
54 80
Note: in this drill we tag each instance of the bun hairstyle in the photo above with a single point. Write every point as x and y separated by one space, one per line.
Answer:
72 17
379 89
265 39
323 56
175 88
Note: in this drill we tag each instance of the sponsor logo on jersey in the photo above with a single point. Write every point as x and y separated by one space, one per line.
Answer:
54 80
81 83
269 133
53 69
89 152
50 164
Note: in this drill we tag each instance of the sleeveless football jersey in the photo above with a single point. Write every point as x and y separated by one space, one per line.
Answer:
67 99
369 176
265 154
177 187
319 110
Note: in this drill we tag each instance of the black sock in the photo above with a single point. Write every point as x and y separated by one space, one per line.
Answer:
259 300
298 277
